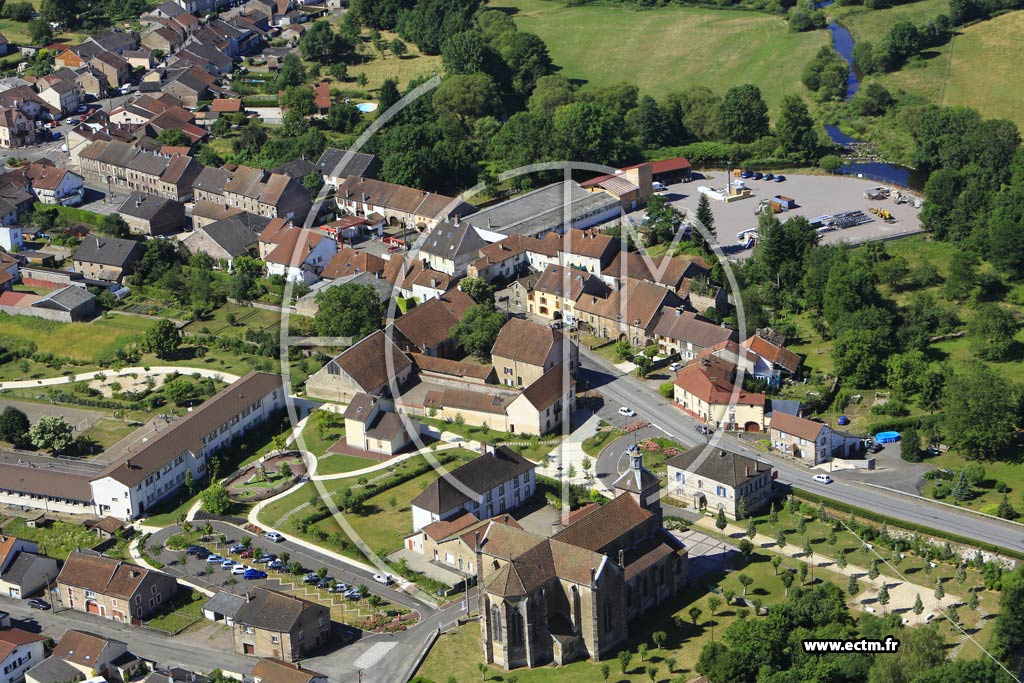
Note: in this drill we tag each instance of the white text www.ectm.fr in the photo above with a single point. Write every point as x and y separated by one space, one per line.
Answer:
889 645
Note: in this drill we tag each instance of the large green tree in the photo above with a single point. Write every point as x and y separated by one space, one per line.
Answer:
991 331
51 432
743 114
348 310
980 411
478 329
14 426
321 44
796 131
162 339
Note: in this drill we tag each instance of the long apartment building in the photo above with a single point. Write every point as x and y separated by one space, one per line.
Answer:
131 486
260 192
121 165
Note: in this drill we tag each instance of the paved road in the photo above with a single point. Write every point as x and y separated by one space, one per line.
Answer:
151 645
620 389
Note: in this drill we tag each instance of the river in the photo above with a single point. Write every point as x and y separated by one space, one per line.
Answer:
842 41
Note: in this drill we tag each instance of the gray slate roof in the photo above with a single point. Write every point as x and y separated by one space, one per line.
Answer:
225 603
53 669
108 251
359 164
236 234
271 610
722 466
480 475
144 206
540 210
447 240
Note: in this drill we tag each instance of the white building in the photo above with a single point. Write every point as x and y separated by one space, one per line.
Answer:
498 481
132 485
10 238
20 651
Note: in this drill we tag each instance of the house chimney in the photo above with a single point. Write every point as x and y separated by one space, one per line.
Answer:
476 541
622 558
505 521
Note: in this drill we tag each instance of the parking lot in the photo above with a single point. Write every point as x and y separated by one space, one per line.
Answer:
214 577
815 195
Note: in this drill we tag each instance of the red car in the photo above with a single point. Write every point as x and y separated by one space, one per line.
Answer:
246 554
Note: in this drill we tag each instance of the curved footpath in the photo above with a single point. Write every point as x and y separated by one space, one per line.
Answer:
123 372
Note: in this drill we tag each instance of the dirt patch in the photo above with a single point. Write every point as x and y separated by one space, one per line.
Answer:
109 386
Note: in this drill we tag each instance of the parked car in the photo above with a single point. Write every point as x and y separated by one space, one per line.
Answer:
703 429
227 564
239 570
780 178
246 553
273 536
758 175
82 109
251 574
876 448
194 550
202 554
843 420
237 548
353 594
310 578
675 367
340 587
276 564
214 559
38 603
769 176
746 174
822 478
658 187
324 583
385 579
626 412
263 559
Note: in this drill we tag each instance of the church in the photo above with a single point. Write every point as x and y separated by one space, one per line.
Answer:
573 594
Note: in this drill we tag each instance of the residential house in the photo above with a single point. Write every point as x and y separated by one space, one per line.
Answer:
426 329
413 280
142 109
23 571
773 361
47 183
162 38
190 84
571 596
114 40
682 332
279 625
152 216
19 651
270 670
106 258
451 247
139 59
399 205
558 290
508 258
86 654
704 389
113 589
667 271
11 239
27 100
66 305
497 482
131 485
588 250
629 313
298 255
335 165
68 59
254 190
228 238
718 479
453 542
347 261
372 425
369 366
64 96
524 351
543 405
118 164
114 68
812 441
15 129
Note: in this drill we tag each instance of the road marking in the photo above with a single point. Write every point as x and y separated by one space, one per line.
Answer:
373 655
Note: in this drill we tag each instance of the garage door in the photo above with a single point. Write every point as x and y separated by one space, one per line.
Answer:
91 607
751 427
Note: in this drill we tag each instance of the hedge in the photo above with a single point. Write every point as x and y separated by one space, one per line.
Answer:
901 524
896 424
72 214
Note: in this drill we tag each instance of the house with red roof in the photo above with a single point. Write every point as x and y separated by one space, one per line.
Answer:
705 389
19 651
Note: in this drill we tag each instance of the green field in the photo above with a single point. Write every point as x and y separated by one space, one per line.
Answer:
78 341
982 68
670 48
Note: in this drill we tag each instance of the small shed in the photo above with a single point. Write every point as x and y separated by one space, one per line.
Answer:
108 527
224 606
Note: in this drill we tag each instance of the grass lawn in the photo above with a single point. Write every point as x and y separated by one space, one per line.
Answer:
380 67
108 431
246 318
184 610
380 524
336 463
531 447
604 44
77 341
318 444
593 445
60 539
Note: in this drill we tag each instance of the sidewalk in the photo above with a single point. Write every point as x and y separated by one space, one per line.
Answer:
901 592
153 370
570 453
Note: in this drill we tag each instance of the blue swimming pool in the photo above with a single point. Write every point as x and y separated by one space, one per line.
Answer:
887 437
367 107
